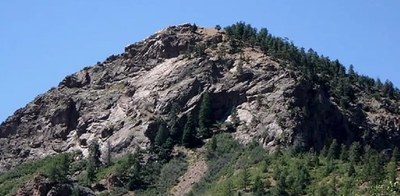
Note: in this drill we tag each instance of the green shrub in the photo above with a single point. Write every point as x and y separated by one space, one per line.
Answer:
170 173
58 168
13 179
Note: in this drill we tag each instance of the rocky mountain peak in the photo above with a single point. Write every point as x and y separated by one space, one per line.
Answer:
122 100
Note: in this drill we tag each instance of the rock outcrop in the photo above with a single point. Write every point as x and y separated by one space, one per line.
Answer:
40 186
120 100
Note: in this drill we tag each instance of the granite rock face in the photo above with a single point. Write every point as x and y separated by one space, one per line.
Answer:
119 101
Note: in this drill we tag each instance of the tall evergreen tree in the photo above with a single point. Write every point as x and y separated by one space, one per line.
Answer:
205 116
324 151
162 135
333 150
378 83
94 154
133 171
372 166
351 170
330 166
343 152
391 167
244 178
395 154
352 74
301 178
258 187
214 144
391 170
58 169
314 160
188 137
355 152
90 172
173 122
194 27
388 89
280 188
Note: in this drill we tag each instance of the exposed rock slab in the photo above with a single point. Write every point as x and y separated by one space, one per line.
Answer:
119 101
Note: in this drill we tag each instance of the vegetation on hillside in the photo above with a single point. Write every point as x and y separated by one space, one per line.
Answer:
236 169
336 169
55 168
344 84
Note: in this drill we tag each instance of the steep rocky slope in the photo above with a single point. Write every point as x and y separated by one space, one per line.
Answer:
122 99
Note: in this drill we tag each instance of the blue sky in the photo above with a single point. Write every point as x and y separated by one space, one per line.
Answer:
43 41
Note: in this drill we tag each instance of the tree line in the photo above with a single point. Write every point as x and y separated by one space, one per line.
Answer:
343 84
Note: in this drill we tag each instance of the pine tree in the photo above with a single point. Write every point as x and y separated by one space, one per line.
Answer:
351 171
314 160
188 137
64 163
343 152
378 84
324 151
164 151
205 116
258 187
388 89
355 152
244 178
90 172
162 135
214 143
94 154
333 150
194 27
280 188
391 167
133 171
347 187
330 166
93 161
395 154
173 122
301 179
391 170
352 74
58 169
135 162
372 166
130 165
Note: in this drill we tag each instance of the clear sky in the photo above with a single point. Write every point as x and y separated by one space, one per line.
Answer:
43 41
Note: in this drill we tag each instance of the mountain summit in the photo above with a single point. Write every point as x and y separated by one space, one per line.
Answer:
247 83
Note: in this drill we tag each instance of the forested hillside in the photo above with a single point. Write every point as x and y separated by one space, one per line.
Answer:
207 111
